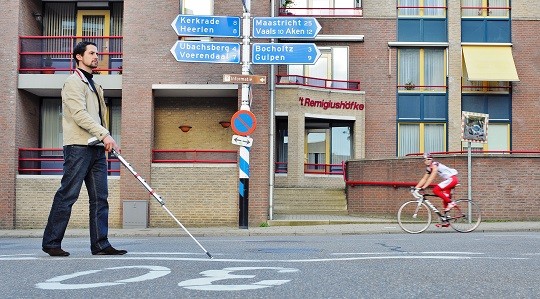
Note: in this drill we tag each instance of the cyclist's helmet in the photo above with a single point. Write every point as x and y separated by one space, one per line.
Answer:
428 156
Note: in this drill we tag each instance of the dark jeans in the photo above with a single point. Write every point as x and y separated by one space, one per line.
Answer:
88 164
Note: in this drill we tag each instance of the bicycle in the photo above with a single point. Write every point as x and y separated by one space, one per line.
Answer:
415 216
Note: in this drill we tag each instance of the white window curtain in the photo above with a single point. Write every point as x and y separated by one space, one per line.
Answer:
409 11
51 124
498 12
470 12
433 138
434 68
409 139
434 11
409 66
498 135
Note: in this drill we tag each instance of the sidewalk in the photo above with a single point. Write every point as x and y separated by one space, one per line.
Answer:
303 225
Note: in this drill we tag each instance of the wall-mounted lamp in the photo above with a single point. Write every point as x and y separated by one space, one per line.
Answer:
185 128
38 17
225 123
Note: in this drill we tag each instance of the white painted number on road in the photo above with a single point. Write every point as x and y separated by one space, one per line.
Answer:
205 284
56 282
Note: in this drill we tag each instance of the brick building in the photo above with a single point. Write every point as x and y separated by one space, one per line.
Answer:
393 78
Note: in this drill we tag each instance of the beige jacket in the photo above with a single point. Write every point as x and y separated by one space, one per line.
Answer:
80 111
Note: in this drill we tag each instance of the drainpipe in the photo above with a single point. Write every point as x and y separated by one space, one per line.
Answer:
271 130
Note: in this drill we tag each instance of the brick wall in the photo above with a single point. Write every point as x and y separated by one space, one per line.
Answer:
35 196
502 185
198 195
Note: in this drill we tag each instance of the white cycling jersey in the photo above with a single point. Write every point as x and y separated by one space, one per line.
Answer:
443 171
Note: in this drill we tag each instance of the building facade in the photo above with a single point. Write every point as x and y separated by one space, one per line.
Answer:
393 78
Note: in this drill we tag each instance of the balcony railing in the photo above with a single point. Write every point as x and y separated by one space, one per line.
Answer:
50 161
317 82
195 156
313 168
321 12
54 54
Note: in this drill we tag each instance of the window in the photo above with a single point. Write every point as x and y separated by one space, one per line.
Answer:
198 7
421 8
485 8
421 137
333 64
328 145
282 145
498 106
326 3
421 70
51 122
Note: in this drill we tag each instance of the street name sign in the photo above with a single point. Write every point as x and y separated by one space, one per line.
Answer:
214 26
211 52
249 79
284 53
242 140
285 27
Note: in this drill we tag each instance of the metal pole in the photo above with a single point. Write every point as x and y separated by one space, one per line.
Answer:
243 163
469 179
272 129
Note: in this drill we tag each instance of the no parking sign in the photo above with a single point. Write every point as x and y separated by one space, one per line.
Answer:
243 122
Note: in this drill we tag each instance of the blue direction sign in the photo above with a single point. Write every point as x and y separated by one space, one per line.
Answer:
285 27
214 26
212 52
284 53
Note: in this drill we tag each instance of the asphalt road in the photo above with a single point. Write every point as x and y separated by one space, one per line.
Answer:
475 265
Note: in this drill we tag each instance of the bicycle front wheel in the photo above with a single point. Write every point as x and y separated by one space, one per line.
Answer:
465 216
414 217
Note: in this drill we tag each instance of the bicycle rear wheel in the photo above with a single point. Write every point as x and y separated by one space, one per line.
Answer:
414 217
465 216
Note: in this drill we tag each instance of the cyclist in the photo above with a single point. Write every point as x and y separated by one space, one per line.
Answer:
443 189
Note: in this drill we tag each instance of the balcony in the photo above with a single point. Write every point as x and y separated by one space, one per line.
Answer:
287 79
53 54
44 62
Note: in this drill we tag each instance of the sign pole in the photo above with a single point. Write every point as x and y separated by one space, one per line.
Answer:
243 164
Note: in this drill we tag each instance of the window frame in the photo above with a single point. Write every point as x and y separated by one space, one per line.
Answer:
421 135
411 86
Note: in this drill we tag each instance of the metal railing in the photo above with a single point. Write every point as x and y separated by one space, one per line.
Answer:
195 156
326 169
50 161
287 79
321 12
54 54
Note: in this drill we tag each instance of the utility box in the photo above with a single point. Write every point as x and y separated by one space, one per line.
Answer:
135 213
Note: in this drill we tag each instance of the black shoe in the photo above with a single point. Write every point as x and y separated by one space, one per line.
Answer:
110 251
56 251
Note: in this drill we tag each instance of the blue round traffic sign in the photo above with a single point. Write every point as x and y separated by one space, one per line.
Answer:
243 122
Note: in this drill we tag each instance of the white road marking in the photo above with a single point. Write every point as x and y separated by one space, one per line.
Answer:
55 283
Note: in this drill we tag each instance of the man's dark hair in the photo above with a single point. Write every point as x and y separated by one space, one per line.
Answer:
80 48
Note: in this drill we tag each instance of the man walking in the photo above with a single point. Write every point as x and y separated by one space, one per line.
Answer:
83 121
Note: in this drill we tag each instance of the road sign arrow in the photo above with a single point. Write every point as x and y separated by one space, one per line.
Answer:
285 27
284 53
242 140
212 52
250 79
214 26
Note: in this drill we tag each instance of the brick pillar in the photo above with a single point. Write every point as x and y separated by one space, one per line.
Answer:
454 75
